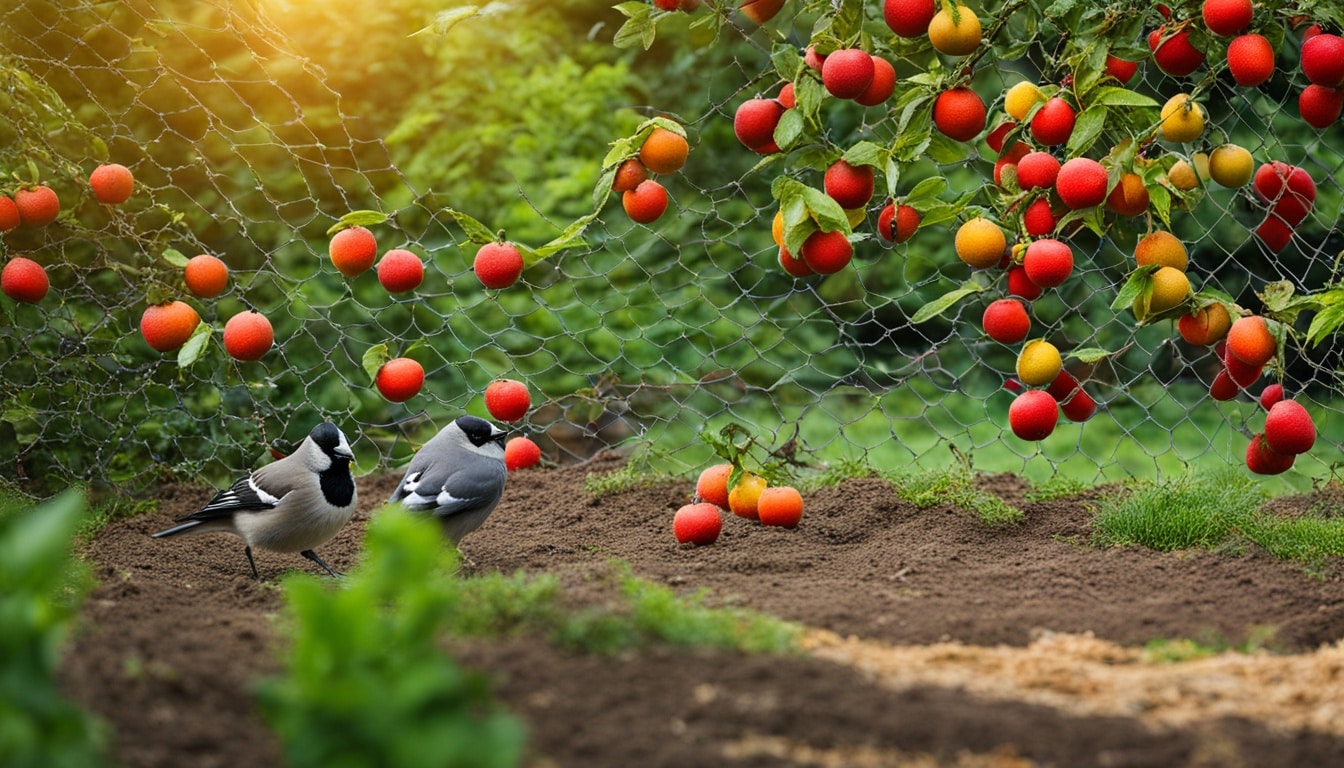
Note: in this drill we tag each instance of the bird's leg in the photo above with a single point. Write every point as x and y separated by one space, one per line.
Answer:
248 551
311 555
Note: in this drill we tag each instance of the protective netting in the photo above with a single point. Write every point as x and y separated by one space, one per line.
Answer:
253 127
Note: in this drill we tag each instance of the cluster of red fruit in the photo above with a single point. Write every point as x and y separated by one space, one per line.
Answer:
751 498
508 400
1289 193
663 151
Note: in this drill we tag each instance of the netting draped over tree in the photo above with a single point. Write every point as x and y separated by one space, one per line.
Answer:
253 127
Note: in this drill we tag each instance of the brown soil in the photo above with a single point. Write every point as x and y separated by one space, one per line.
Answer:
933 639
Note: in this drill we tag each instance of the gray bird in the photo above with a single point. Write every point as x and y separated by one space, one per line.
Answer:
458 476
290 505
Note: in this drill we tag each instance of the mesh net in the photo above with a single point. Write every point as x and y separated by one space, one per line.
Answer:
253 127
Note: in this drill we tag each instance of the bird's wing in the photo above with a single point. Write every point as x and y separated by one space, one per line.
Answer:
243 496
454 490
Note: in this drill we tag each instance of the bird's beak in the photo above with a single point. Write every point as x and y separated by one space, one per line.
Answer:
344 451
497 435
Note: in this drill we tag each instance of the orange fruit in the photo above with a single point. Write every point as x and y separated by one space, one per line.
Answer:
827 252
499 265
400 270
959 113
664 151
1033 415
980 243
400 379
353 251
168 326
628 175
847 72
1250 59
112 183
24 280
9 214
1231 165
761 11
909 18
781 505
745 496
1019 99
849 185
777 229
1130 196
646 202
248 336
1206 325
1250 341
1161 248
38 206
712 485
1170 288
955 35
1081 183
206 276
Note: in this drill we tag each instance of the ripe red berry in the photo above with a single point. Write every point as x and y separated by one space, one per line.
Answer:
1081 183
1250 59
400 271
646 202
38 206
849 185
1073 400
847 73
1319 106
1053 122
1323 60
754 124
521 453
1048 262
1006 321
400 379
1121 69
1264 460
959 113
882 86
1270 395
24 280
1039 218
697 524
507 399
827 252
112 183
1033 415
499 265
1227 17
1289 428
9 214
909 18
1173 51
897 223
1037 170
1021 285
353 251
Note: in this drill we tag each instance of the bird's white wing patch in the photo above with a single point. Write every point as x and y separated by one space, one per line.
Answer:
446 499
411 482
266 498
416 501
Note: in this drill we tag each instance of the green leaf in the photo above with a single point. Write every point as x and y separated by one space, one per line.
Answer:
191 351
572 237
476 231
1089 354
1160 200
944 302
1325 323
827 212
1087 129
789 129
865 153
174 257
357 219
640 28
927 189
1139 281
786 61
947 151
809 94
1111 96
1277 295
374 359
446 20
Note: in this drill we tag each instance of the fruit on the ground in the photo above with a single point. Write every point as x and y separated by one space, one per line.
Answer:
882 85
1231 165
761 11
1033 415
1170 288
849 185
353 251
1264 460
746 495
38 206
1162 248
1323 60
1021 285
1319 106
1270 395
1073 400
780 505
1006 321
521 453
1289 428
697 524
1182 119
400 270
400 379
1130 196
1048 262
9 214
507 399
664 151
1039 218
248 336
646 202
754 124
1019 99
909 18
1207 325
25 280
1053 122
959 113
1081 183
712 484
1250 340
1038 363
168 326
1037 170
827 252
1250 59
1227 17
112 183
1173 51
628 175
500 264
955 31
847 72
206 275
979 242
793 265
1121 69
897 222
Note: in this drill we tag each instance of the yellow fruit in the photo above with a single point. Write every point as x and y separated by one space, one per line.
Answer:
1182 119
1182 176
1162 248
980 243
1170 289
1231 165
777 229
744 496
1019 99
1039 363
855 216
955 38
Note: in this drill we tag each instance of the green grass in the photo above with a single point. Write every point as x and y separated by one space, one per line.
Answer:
1173 651
632 474
954 487
1057 487
1190 511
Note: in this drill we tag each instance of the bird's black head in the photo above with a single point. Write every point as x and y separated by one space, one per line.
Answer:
331 440
479 431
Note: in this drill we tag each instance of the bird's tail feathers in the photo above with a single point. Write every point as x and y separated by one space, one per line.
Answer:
188 527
